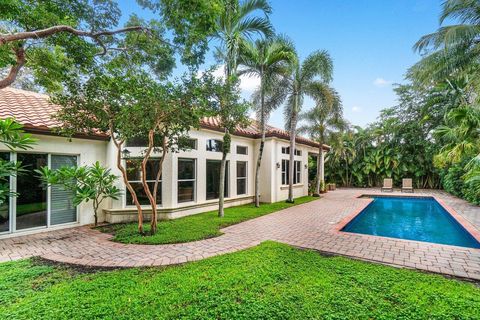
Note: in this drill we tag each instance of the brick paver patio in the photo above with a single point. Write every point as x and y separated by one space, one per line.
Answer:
312 225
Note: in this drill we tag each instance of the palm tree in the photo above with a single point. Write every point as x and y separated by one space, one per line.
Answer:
317 68
452 48
236 24
233 27
322 121
268 60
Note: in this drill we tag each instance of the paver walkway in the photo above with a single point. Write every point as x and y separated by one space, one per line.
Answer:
312 225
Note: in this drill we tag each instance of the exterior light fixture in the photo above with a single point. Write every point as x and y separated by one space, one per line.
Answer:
306 166
278 165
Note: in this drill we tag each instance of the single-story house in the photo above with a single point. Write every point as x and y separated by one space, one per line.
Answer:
189 182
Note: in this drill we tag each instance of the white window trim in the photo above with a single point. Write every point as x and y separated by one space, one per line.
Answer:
126 205
243 178
194 180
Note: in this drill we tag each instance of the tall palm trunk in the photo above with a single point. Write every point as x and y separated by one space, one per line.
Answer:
262 145
319 170
293 134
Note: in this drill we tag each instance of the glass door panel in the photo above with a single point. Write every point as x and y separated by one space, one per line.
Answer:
31 209
4 207
62 209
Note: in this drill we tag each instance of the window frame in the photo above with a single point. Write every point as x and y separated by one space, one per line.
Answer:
194 180
241 146
242 178
209 147
160 182
297 172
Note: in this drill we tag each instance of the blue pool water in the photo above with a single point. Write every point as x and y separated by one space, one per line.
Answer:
421 219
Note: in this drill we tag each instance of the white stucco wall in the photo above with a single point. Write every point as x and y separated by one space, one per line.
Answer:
271 189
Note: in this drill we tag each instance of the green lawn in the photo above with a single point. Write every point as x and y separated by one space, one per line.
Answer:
270 281
195 227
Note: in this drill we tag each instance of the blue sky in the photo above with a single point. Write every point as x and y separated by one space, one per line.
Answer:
370 42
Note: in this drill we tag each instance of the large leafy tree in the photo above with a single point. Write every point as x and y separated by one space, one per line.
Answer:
237 24
267 59
324 120
53 37
315 70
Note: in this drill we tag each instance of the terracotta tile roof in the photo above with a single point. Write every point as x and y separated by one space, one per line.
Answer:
34 111
253 131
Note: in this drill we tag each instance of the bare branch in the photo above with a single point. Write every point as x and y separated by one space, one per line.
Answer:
38 34
12 75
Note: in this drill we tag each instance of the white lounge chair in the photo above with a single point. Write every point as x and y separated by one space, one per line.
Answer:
387 185
407 185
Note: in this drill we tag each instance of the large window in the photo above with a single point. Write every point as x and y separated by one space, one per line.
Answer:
214 145
186 180
297 172
286 150
134 173
213 179
241 177
285 172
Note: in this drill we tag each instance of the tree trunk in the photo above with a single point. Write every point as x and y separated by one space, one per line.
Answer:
221 188
95 212
260 152
293 134
319 174
120 167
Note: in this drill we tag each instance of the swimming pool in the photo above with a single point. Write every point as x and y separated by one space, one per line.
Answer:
411 218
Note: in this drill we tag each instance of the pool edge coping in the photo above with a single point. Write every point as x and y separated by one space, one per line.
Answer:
464 223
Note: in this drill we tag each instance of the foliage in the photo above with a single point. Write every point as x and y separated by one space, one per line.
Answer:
271 281
200 226
86 183
13 137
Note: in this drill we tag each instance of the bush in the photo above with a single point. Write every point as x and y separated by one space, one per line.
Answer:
453 181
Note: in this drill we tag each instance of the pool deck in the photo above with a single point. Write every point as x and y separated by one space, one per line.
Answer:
314 225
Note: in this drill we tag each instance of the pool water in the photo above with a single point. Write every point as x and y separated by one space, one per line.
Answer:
421 219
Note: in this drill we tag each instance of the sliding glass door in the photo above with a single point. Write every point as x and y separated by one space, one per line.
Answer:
31 208
5 207
35 205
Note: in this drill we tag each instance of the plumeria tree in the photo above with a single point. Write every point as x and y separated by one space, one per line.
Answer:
86 183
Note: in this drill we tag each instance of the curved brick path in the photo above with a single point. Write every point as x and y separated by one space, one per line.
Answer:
311 225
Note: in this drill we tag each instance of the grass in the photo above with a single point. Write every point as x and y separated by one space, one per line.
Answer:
195 227
270 281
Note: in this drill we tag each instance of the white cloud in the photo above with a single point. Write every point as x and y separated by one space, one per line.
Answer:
248 84
381 83
356 109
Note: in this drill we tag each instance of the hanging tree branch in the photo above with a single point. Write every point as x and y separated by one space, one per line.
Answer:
20 58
